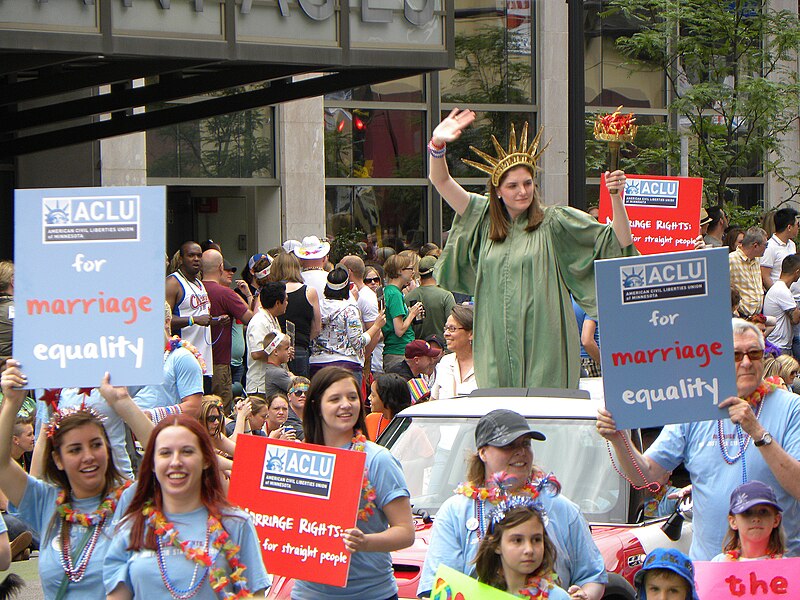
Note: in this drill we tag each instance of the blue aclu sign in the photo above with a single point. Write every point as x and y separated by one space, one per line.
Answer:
648 282
90 218
298 471
652 192
666 340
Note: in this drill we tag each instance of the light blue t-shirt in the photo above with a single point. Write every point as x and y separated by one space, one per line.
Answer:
713 480
371 574
182 377
140 573
113 424
37 509
578 559
3 528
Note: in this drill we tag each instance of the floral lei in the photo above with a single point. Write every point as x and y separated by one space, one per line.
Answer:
368 494
538 587
107 507
222 542
175 342
735 555
764 388
498 490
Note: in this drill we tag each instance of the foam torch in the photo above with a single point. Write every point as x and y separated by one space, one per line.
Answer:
616 129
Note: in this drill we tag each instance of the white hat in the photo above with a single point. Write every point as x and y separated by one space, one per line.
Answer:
312 248
290 245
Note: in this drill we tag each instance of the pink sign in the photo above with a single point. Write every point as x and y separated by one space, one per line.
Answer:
762 579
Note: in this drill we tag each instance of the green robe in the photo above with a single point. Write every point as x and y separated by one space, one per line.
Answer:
525 333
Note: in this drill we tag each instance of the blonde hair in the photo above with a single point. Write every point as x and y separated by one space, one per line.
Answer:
782 366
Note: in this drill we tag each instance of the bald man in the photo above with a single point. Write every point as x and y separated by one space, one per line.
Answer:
226 305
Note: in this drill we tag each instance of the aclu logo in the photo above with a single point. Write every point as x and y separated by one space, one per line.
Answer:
90 219
663 280
651 192
298 471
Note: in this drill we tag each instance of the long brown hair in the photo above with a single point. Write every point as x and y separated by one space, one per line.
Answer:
286 267
489 565
212 402
499 219
148 489
776 545
312 415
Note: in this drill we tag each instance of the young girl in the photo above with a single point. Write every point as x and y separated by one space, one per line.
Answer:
516 555
212 419
179 534
73 508
254 411
334 417
755 531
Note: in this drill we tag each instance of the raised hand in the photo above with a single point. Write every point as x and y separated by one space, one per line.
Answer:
452 126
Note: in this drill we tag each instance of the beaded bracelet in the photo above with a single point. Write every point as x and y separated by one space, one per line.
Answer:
436 151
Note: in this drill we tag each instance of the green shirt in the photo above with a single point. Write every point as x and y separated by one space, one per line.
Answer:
438 304
395 307
525 334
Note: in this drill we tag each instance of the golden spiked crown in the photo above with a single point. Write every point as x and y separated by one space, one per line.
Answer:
514 157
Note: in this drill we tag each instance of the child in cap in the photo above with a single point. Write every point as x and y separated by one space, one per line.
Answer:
666 573
754 520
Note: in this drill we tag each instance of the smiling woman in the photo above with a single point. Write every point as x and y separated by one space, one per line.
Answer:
180 502
333 416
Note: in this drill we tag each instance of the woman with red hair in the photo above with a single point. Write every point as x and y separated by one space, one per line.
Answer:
179 532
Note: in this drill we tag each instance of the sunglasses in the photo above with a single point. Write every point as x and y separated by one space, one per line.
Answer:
299 391
372 280
753 355
212 418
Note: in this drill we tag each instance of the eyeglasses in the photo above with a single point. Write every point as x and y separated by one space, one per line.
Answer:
299 391
212 418
372 280
451 328
753 355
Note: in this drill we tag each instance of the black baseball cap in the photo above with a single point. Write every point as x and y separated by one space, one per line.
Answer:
502 427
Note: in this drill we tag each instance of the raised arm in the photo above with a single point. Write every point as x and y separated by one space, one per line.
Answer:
13 478
448 130
122 404
615 182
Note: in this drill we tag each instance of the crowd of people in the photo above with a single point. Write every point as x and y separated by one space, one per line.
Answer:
123 490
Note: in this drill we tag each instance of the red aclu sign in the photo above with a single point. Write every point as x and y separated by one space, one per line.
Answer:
301 498
664 211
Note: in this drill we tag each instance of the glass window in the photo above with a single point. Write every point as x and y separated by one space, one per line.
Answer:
393 217
610 78
374 143
235 145
479 134
494 53
409 89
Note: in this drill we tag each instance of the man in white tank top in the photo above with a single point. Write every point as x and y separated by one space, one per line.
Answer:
191 308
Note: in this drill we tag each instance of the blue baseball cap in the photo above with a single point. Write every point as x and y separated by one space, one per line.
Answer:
254 259
752 493
671 560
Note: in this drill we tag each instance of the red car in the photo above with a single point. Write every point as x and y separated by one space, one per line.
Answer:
432 440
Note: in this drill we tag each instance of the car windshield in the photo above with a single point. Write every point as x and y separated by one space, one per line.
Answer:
434 450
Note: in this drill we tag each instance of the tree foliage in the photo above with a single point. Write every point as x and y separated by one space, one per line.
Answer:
731 65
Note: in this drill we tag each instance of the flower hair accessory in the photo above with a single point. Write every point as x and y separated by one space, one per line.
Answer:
59 415
500 511
515 156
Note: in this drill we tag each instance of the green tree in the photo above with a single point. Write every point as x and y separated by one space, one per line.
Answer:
732 69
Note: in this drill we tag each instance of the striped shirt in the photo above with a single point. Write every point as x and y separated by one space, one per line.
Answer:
746 277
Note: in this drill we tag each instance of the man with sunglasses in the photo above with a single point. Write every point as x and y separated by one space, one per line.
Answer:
759 440
298 392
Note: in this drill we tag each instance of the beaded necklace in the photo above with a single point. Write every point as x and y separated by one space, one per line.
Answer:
76 570
538 587
756 402
167 534
368 494
176 342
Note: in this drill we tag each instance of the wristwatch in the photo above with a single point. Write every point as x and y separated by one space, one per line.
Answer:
765 440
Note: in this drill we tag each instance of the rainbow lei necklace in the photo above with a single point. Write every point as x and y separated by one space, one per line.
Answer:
735 555
168 534
495 494
368 494
538 587
107 507
175 342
